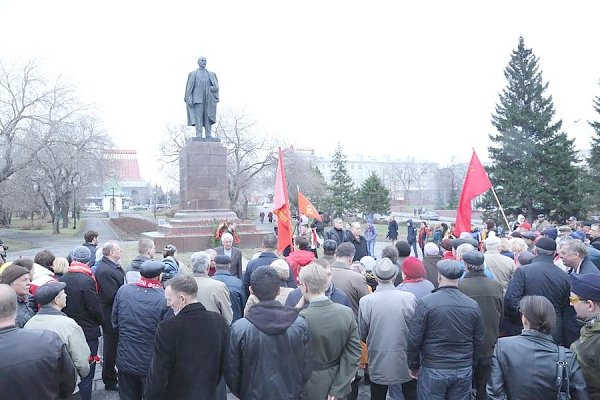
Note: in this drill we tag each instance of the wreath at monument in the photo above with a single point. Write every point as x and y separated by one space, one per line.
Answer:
223 227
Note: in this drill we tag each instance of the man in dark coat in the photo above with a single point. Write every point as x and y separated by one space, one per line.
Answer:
338 233
411 236
83 305
137 311
488 294
186 364
268 356
110 277
146 250
34 364
267 256
541 278
237 294
445 336
227 249
359 242
91 242
575 256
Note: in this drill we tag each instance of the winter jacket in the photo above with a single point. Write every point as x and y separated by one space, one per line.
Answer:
271 341
83 303
24 311
237 295
392 230
586 267
264 258
411 232
235 267
137 311
171 268
214 295
34 364
298 259
370 233
488 294
335 349
541 278
110 277
524 368
70 333
339 235
133 274
430 264
360 247
419 288
587 349
501 266
387 310
187 365
353 284
334 294
446 330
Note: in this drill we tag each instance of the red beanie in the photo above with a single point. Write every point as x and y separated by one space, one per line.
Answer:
413 268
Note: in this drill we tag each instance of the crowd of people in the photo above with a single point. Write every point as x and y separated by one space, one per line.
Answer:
486 315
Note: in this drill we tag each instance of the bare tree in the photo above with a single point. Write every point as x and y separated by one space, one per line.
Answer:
30 111
449 180
72 161
248 156
301 173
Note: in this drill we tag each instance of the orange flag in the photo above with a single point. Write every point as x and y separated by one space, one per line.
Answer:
476 183
305 207
281 208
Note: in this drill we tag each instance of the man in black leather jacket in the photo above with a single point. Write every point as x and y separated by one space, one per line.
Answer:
268 356
445 336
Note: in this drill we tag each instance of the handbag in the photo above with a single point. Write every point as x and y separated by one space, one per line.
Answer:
562 376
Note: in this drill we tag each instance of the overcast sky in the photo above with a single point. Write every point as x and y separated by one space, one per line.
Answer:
398 78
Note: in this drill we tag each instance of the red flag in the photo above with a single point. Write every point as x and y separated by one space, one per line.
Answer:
305 207
476 183
281 208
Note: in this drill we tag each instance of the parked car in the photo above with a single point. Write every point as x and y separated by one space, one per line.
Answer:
93 208
381 219
139 208
430 215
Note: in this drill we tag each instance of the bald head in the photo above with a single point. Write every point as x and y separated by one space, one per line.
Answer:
8 305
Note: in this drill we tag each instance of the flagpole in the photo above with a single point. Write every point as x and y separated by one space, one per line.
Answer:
500 206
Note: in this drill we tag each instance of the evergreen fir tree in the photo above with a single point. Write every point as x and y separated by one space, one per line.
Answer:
342 199
533 162
594 158
373 197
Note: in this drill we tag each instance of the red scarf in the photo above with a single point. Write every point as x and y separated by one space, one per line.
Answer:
148 283
85 269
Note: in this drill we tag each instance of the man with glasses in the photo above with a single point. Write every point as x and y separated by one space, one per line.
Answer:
585 299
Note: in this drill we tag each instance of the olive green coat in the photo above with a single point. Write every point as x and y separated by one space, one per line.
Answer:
334 340
587 348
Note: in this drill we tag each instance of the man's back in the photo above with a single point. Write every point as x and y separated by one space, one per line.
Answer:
214 295
501 266
445 330
268 355
335 347
236 292
350 282
137 312
188 355
34 365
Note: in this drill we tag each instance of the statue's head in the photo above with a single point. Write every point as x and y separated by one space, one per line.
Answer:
202 62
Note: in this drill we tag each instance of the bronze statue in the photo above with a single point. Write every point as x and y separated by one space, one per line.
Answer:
201 97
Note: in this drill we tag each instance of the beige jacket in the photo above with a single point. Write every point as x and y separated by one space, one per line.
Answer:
69 331
501 266
214 296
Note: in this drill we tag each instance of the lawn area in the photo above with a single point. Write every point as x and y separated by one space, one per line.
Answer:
44 227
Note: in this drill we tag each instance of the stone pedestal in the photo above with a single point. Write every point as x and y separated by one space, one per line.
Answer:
204 201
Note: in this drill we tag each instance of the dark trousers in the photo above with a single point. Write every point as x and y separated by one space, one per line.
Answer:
131 386
482 370
110 336
378 392
409 390
353 395
85 386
